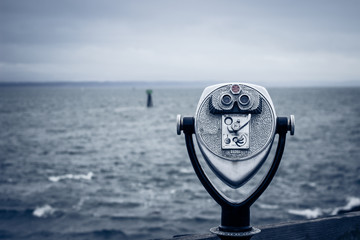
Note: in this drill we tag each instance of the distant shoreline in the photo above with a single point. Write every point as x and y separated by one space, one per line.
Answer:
162 84
106 84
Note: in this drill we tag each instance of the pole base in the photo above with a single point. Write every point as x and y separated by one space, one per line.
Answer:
234 235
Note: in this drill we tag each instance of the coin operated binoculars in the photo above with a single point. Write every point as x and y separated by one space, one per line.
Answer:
235 126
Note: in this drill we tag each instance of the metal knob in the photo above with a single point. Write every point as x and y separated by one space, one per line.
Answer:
179 124
236 126
291 124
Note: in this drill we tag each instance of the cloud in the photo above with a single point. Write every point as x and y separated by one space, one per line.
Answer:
283 42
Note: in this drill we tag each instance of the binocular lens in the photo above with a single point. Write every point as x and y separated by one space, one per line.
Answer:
226 100
244 99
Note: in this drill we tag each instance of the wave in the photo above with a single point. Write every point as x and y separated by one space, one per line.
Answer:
72 176
40 212
44 211
186 170
79 205
353 204
307 213
267 206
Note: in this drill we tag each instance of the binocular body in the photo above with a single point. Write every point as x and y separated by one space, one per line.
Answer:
235 125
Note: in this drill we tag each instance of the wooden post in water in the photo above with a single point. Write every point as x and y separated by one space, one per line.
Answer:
149 98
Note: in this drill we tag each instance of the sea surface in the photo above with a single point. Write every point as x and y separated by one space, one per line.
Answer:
95 163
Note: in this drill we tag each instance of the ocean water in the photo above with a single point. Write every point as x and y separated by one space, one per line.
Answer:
95 163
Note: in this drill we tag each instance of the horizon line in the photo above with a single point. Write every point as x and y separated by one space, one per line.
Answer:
187 84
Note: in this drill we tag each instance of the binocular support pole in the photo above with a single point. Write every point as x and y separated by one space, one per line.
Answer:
235 218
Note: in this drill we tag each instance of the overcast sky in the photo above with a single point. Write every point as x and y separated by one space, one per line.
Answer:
271 42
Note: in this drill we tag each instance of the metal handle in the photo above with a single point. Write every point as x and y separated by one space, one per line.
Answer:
291 124
185 124
179 124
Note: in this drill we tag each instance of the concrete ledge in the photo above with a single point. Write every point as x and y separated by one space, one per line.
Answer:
340 227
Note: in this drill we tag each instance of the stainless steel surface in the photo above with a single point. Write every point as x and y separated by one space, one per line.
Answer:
235 163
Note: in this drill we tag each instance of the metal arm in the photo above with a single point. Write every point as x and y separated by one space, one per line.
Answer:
230 221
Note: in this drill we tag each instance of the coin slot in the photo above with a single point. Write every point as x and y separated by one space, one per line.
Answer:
228 121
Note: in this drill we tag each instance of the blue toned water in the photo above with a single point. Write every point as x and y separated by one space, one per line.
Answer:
95 163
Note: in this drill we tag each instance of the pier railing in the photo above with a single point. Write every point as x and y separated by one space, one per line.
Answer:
340 227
